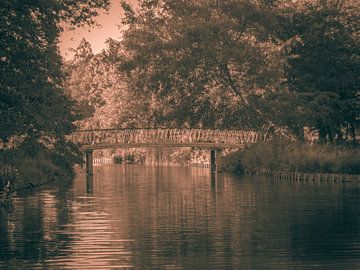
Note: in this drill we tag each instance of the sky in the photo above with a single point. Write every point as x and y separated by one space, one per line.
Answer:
95 35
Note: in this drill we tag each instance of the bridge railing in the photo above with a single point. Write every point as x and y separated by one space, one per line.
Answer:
135 136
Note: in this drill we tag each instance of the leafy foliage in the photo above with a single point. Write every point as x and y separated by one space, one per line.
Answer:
99 89
293 65
228 64
201 63
35 113
323 69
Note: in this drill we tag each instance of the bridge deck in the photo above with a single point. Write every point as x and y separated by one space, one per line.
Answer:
215 140
133 138
160 145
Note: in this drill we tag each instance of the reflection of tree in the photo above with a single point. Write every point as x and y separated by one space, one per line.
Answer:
331 231
156 217
176 216
179 217
28 231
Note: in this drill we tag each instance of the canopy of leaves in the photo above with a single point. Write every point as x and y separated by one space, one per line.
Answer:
100 92
30 78
324 67
202 62
229 64
34 110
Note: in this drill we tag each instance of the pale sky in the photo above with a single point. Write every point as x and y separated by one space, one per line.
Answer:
95 35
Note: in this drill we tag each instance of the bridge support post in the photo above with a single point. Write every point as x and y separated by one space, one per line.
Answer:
215 160
89 162
218 160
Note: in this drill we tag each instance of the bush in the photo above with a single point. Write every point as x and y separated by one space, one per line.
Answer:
296 157
20 169
233 162
118 159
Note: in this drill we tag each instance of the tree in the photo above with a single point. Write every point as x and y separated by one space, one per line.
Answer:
30 63
98 88
35 114
324 67
201 63
81 84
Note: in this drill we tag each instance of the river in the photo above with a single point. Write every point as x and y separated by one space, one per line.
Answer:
137 217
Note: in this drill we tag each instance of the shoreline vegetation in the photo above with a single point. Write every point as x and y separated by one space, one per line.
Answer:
277 155
247 65
278 159
26 174
36 114
295 157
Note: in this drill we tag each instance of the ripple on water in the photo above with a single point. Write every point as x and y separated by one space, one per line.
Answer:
182 218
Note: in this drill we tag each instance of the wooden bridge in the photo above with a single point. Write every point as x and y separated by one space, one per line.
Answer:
213 139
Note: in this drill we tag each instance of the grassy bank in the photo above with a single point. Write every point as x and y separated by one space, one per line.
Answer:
295 157
21 171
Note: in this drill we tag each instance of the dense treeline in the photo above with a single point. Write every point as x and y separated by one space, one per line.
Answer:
243 64
322 70
227 64
261 65
35 113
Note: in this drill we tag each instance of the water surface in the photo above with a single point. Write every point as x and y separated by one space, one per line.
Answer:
136 217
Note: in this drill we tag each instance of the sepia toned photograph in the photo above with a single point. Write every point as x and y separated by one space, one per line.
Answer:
180 134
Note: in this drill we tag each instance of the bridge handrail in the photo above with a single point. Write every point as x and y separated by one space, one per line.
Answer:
161 135
162 128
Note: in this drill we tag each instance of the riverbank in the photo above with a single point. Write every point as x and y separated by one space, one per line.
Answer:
294 157
28 174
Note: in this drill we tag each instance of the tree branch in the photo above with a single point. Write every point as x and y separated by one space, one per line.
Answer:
225 73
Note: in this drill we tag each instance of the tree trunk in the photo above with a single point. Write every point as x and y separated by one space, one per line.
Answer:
322 135
353 133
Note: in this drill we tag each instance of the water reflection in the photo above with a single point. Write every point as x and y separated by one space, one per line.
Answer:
89 183
183 218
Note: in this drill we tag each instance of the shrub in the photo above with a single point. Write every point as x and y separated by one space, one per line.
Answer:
294 156
118 159
233 162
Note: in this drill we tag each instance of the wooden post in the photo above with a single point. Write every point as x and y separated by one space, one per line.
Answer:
212 160
218 160
89 162
215 160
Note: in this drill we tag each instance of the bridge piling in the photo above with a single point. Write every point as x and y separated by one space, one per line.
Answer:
215 160
89 162
218 160
213 139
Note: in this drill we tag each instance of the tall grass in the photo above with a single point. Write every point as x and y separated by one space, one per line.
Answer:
295 157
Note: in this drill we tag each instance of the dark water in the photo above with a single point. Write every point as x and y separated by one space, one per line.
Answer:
181 218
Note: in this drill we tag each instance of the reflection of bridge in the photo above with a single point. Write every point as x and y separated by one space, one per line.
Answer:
215 140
